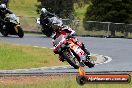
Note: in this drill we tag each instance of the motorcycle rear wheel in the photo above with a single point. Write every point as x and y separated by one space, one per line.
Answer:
4 33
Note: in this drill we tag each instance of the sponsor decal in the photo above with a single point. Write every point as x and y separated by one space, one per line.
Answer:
83 78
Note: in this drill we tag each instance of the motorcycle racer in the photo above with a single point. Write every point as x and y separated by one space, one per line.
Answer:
69 33
45 22
45 15
60 29
3 12
57 25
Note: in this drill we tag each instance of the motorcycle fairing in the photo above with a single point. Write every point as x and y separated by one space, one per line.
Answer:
16 29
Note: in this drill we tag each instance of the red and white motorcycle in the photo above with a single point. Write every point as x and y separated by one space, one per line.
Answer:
71 52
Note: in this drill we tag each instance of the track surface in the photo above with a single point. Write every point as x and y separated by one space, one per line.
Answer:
118 49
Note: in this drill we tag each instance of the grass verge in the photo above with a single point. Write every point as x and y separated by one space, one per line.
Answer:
52 82
18 57
24 7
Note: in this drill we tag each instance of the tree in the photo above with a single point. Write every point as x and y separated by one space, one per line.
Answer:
63 8
116 11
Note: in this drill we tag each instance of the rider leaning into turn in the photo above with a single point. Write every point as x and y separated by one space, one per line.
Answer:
67 31
45 15
3 12
60 29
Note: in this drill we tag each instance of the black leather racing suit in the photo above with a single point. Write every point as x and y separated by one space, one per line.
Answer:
3 15
46 24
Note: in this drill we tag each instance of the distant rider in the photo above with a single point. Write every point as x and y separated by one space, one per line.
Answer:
45 22
3 12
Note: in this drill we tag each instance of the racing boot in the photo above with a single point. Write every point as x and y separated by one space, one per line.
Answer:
86 51
88 61
89 64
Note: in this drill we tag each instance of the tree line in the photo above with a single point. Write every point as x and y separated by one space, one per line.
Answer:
63 8
115 11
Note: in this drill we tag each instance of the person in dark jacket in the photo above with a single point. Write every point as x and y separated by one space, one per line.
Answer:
3 12
45 22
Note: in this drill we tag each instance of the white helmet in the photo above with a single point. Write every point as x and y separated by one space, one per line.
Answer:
43 10
2 6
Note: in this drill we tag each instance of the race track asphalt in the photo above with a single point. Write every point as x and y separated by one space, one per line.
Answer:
119 49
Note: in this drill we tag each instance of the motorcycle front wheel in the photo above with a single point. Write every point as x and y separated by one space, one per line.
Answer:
20 31
71 60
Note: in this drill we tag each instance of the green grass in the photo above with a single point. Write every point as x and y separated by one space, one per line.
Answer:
80 11
16 57
24 7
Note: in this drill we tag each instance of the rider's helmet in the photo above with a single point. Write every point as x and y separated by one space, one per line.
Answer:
44 11
2 7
